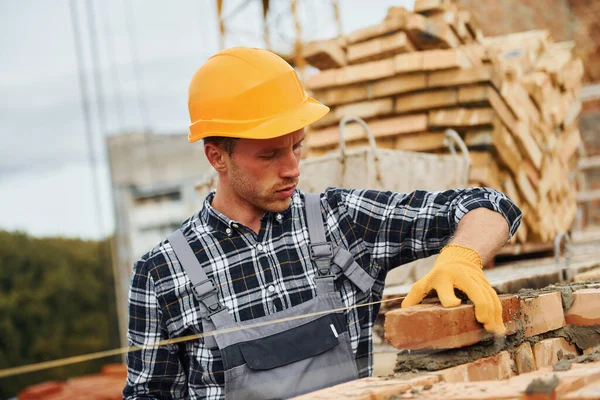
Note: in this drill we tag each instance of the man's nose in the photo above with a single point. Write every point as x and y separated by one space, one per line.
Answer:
290 166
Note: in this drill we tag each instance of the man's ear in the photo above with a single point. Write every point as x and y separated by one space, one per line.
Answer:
216 156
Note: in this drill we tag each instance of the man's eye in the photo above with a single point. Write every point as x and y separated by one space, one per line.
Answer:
267 156
298 146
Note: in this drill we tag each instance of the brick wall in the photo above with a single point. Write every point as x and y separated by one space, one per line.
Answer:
577 20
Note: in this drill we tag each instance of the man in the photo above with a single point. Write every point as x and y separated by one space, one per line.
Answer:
251 241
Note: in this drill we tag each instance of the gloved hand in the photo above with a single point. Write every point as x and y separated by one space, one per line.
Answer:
460 267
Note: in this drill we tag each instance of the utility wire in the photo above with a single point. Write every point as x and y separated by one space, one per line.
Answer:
83 89
103 124
137 68
116 82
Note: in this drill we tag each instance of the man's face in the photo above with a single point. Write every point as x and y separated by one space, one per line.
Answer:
265 173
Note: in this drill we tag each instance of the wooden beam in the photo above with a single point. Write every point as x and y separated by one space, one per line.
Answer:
379 48
588 195
324 54
381 88
589 163
365 109
457 77
460 117
422 141
380 128
426 100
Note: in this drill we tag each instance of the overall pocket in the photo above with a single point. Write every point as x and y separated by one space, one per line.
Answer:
302 359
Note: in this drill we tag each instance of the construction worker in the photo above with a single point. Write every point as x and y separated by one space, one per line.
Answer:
281 287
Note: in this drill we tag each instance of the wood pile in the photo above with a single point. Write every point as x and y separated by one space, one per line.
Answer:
513 100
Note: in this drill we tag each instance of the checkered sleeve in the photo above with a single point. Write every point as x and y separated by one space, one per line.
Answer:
152 372
401 227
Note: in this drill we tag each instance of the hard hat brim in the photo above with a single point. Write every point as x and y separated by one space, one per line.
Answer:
282 124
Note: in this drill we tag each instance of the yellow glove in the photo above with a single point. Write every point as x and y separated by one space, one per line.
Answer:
460 267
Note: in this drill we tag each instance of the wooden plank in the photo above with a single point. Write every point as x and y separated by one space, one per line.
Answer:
427 34
573 75
588 195
385 87
425 100
532 173
461 29
476 53
409 62
457 77
388 26
570 142
441 59
534 42
589 163
379 48
484 169
472 25
572 112
324 54
526 189
352 74
422 141
431 60
538 85
527 145
507 148
460 117
336 96
479 138
398 84
518 100
380 128
427 7
365 109
487 94
555 59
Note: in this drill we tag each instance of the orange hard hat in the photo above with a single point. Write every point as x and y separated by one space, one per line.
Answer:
248 93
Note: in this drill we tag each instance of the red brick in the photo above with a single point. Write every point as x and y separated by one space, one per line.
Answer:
492 368
524 359
546 352
427 326
41 390
542 313
585 310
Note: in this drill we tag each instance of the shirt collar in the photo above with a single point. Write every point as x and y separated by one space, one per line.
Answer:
221 223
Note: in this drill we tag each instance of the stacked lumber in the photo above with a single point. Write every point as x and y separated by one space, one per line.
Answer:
550 337
512 98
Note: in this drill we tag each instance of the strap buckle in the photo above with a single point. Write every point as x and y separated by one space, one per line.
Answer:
209 299
322 254
321 250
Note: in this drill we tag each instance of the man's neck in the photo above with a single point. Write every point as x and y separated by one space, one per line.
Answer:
236 209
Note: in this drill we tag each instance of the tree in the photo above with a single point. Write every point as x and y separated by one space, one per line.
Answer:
56 301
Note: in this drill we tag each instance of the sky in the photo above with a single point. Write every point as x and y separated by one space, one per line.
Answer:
147 52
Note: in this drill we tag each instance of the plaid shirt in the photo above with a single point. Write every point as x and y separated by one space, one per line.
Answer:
261 274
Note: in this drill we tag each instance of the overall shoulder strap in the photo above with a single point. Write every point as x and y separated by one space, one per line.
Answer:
320 250
204 288
323 253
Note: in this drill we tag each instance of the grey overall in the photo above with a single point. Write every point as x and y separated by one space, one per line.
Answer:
306 349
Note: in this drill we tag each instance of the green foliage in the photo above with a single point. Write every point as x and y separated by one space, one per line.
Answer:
56 300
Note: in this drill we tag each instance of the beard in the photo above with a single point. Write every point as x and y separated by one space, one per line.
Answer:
261 195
